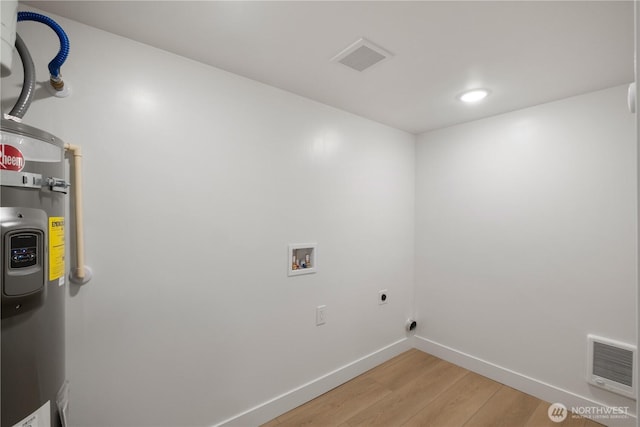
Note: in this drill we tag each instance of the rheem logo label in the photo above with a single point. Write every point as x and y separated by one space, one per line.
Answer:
11 159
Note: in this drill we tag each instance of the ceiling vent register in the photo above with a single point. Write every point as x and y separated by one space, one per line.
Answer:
361 55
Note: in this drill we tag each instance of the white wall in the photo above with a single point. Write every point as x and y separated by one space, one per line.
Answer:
525 234
526 238
637 79
196 182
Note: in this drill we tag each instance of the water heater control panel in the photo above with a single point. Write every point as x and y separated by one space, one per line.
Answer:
24 233
24 250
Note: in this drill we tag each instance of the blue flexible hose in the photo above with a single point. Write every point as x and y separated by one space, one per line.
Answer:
56 63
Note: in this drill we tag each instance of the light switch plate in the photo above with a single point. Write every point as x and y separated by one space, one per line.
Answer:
321 315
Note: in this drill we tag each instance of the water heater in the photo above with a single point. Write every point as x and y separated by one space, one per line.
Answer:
32 237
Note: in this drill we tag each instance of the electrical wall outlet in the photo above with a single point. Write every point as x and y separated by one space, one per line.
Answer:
321 315
383 296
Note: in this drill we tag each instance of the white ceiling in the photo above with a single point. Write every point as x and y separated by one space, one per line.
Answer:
525 52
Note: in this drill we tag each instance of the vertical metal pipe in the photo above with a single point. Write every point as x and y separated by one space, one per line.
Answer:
29 81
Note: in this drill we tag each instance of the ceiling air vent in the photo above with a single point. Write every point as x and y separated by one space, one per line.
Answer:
611 365
361 55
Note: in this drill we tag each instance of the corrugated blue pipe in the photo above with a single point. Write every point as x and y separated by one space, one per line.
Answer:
56 63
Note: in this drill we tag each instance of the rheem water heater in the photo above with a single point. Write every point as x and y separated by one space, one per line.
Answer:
32 242
32 236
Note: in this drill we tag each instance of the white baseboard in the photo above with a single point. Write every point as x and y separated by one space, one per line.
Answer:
268 410
279 405
539 389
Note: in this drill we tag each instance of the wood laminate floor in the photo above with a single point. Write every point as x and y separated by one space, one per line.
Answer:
417 389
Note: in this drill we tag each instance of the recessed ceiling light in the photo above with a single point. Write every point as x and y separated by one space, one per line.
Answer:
474 95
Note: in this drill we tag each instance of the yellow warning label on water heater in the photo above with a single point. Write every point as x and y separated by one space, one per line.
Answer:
56 247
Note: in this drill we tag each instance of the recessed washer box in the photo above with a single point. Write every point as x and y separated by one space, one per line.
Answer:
302 258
